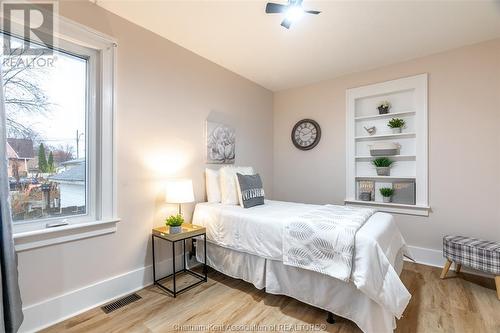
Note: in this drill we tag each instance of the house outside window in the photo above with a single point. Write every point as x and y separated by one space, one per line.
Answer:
21 158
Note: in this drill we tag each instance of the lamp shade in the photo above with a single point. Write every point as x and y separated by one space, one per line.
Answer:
179 191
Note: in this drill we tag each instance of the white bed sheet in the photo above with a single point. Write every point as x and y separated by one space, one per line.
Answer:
259 230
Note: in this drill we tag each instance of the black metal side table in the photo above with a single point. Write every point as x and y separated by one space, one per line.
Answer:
188 231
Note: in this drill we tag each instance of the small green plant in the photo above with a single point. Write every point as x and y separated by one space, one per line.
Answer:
174 220
382 162
386 192
384 105
396 123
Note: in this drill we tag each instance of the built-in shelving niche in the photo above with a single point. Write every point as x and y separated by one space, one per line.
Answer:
408 98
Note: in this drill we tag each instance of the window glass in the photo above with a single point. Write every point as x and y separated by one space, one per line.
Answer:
46 116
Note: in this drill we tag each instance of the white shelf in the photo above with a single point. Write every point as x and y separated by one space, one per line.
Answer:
395 157
391 207
386 115
408 97
384 136
388 204
385 177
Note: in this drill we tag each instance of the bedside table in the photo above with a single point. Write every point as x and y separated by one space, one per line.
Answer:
188 231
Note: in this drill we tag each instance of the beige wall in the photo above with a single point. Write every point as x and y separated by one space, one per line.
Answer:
464 142
164 95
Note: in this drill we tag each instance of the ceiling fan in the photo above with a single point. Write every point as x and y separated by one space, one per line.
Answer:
293 11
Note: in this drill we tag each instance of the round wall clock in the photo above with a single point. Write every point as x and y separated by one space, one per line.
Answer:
306 134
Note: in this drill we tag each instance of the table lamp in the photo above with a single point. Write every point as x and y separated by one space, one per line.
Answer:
179 191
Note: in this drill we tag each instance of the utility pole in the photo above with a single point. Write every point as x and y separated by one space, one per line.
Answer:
78 135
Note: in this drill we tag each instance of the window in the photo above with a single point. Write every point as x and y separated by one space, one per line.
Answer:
59 120
46 119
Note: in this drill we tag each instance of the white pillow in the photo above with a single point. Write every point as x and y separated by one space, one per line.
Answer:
229 185
212 185
238 193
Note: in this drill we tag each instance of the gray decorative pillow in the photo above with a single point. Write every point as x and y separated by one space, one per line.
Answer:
250 190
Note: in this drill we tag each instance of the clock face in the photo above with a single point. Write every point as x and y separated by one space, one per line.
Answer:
306 134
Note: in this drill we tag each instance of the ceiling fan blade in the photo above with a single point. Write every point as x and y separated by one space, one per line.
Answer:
315 12
286 23
273 8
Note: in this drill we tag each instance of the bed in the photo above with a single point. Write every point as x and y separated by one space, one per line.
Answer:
248 244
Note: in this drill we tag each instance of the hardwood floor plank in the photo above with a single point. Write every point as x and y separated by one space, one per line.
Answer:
456 304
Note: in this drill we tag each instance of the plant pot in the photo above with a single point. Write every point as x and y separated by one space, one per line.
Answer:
383 171
175 230
386 199
383 110
397 130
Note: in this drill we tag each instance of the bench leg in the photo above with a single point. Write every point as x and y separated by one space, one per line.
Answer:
458 267
446 268
497 283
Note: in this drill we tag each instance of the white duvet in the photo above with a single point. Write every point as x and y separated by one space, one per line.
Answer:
259 231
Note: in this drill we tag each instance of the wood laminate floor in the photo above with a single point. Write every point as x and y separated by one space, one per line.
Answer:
465 304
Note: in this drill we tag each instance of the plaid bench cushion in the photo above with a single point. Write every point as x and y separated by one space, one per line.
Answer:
474 253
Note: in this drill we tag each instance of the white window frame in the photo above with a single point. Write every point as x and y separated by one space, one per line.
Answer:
101 207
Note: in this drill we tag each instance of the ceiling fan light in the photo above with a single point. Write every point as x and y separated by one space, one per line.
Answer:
294 13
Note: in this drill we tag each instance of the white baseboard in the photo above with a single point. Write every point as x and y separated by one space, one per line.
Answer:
429 257
54 310
51 311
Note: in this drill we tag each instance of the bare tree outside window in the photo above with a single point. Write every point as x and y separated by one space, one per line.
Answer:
23 93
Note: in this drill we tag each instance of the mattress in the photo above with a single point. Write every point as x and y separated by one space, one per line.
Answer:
259 231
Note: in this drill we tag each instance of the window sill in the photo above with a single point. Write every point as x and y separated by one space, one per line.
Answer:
44 237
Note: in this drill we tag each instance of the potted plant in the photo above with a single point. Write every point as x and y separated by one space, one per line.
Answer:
174 223
383 107
387 193
383 166
397 124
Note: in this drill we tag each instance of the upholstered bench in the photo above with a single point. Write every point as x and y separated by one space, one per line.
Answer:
474 253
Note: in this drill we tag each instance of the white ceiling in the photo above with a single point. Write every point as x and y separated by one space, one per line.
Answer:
348 36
